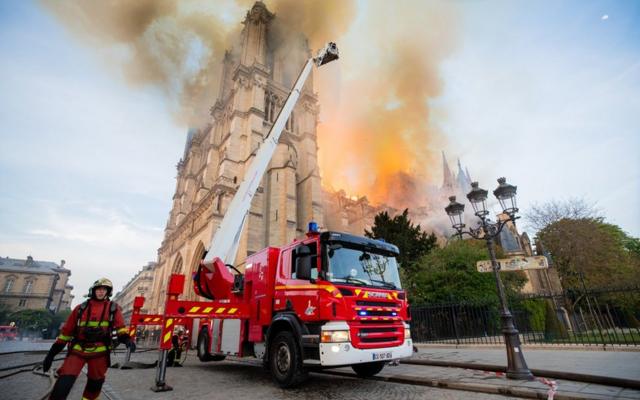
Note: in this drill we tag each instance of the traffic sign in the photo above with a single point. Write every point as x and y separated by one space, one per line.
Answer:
517 263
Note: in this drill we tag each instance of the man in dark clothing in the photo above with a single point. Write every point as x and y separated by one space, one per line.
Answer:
88 332
175 354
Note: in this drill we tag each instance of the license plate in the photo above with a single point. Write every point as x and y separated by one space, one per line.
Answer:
383 356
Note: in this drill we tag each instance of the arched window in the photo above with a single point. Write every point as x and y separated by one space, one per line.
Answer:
177 266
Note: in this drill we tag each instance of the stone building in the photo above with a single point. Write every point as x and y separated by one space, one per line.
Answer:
539 281
140 285
37 285
256 78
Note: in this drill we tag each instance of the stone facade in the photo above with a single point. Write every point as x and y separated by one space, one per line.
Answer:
140 285
30 284
255 82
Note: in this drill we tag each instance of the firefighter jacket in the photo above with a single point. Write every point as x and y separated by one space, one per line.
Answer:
89 327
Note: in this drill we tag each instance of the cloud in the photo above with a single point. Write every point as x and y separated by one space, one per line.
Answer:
95 240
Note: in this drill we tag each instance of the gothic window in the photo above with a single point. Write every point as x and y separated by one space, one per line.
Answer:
177 266
9 284
290 125
270 106
219 203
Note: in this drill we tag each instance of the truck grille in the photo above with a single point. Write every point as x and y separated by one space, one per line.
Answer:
377 334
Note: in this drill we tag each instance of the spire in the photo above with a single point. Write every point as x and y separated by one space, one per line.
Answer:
447 176
468 174
464 183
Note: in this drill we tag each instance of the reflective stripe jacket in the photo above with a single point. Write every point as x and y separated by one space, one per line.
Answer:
94 317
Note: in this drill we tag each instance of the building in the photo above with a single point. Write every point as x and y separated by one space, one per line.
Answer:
31 284
256 78
140 285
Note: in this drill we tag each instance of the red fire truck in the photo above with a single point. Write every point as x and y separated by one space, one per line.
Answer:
8 332
330 299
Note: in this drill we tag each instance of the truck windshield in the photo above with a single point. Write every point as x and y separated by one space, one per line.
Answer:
358 266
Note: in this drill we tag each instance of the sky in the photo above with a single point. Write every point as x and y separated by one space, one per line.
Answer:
544 93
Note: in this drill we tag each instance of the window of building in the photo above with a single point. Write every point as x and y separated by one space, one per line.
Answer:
28 287
9 284
22 303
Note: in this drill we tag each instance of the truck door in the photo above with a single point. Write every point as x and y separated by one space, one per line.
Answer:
299 292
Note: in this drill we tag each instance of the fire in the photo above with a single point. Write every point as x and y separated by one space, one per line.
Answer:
377 136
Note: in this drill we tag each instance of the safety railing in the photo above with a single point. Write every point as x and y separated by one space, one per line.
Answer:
604 316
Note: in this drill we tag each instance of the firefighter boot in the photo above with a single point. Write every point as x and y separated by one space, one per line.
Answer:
62 387
92 389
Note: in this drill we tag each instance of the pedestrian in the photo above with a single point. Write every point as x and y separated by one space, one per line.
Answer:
89 334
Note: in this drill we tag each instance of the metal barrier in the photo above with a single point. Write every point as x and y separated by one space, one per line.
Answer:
604 316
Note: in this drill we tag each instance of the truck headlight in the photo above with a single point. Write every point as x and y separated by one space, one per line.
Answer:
334 336
407 333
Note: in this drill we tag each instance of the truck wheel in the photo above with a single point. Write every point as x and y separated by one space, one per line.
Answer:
367 369
285 360
204 344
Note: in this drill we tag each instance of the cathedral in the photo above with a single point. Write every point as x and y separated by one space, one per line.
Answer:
256 79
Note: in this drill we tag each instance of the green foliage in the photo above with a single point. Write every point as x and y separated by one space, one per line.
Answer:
32 320
599 252
412 242
630 319
449 274
554 328
5 311
536 311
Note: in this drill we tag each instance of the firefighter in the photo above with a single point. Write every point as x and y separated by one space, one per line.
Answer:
173 358
88 332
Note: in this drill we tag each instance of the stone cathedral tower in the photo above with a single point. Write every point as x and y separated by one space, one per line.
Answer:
255 81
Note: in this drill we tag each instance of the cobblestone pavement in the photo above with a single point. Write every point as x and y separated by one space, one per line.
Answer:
618 364
243 379
221 380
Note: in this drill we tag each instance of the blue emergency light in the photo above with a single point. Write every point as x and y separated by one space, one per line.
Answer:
313 227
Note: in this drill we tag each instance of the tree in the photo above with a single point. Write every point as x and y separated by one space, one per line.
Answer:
412 242
32 320
540 216
449 274
590 250
5 311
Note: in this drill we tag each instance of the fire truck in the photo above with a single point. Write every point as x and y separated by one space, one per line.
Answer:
330 299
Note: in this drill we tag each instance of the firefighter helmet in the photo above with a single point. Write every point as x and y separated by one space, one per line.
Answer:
102 282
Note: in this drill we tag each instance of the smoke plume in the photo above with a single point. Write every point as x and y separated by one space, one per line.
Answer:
376 135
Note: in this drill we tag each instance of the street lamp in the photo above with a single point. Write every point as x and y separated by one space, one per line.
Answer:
487 230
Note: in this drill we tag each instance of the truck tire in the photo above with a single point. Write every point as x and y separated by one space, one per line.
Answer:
204 344
368 369
285 360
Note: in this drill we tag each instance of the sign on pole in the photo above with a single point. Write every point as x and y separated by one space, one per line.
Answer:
517 263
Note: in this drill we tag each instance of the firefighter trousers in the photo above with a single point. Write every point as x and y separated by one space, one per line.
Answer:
96 371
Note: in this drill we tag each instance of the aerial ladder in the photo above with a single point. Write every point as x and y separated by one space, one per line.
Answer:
222 251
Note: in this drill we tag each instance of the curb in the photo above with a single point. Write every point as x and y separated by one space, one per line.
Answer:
568 376
476 388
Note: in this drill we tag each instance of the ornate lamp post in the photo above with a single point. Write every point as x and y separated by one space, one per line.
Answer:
487 230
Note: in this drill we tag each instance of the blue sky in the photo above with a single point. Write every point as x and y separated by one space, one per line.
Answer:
546 93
